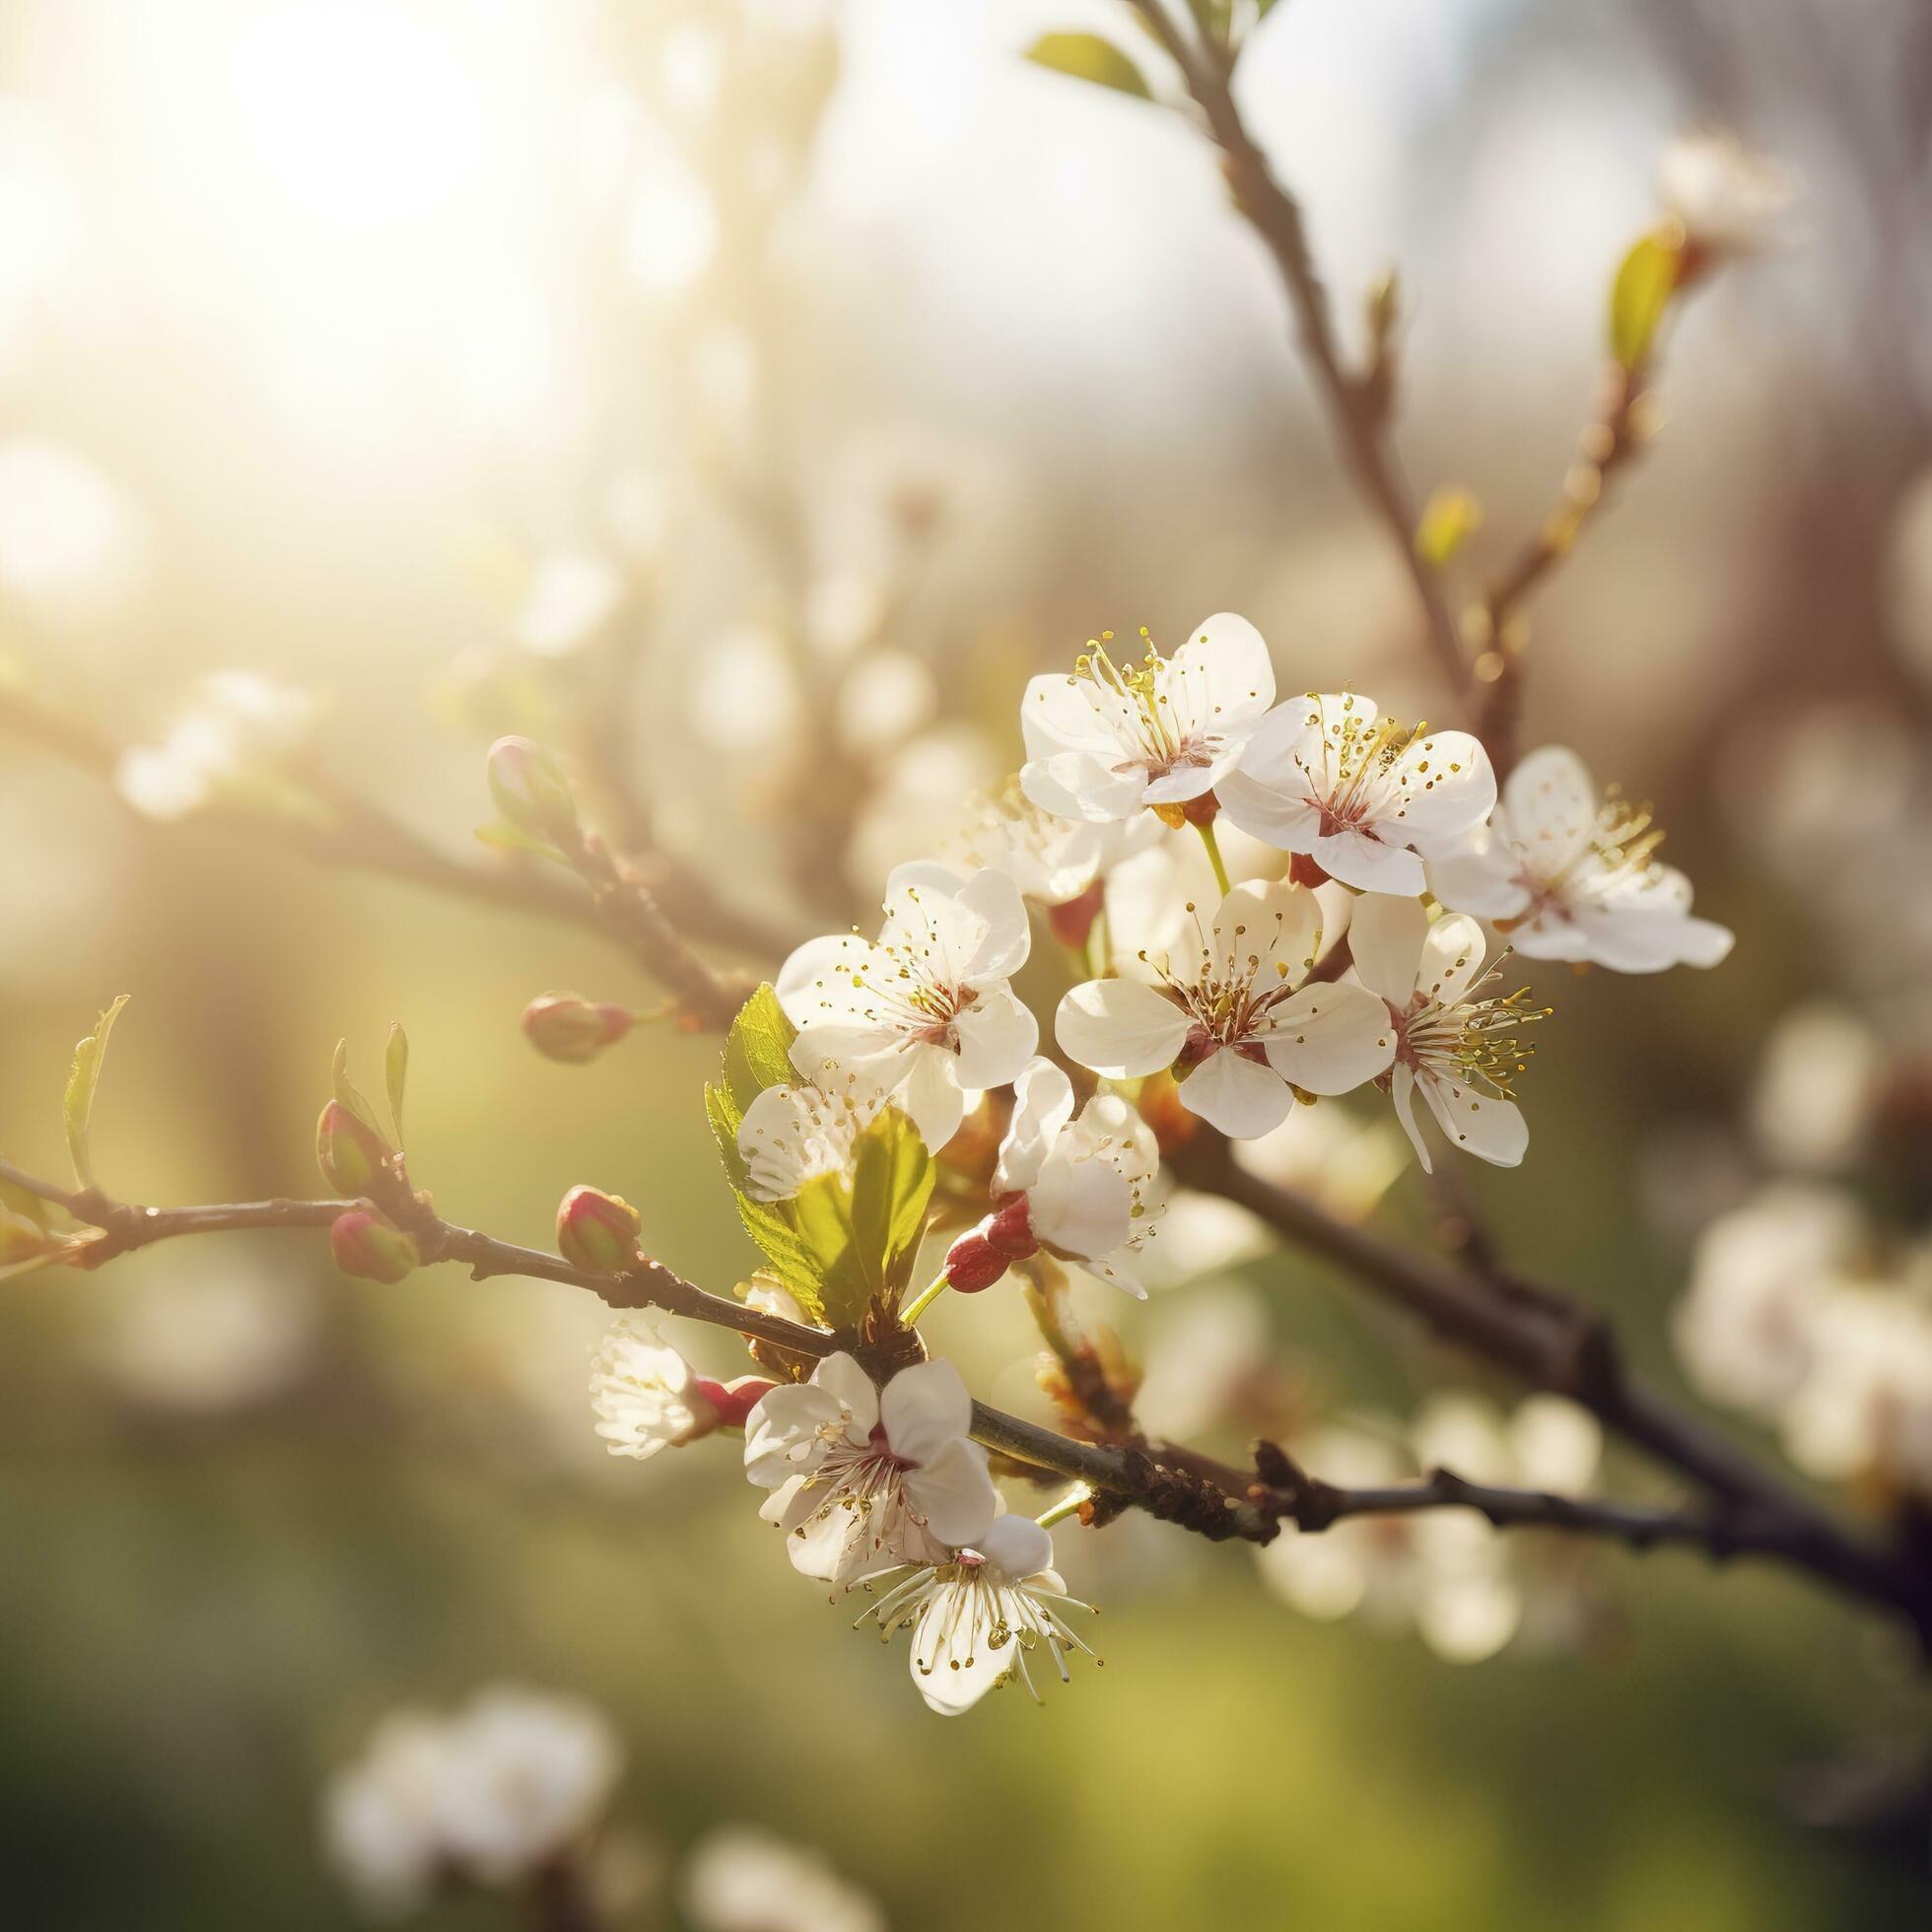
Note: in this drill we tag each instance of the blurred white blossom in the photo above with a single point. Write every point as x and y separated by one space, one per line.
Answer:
739 1879
239 725
1818 1080
573 594
73 547
1730 199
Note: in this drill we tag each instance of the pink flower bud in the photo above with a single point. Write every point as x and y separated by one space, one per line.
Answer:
349 1151
1011 1230
531 790
1072 922
734 1401
597 1232
370 1248
567 1026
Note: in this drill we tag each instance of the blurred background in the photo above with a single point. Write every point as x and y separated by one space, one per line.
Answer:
748 396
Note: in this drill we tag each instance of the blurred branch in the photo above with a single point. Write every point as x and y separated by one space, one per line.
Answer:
1358 402
1553 1342
632 902
1613 437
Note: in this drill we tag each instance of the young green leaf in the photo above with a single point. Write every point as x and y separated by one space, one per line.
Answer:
892 1182
81 1081
343 1089
758 1048
395 1072
1646 279
1087 57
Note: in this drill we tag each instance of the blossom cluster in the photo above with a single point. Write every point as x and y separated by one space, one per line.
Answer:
1394 839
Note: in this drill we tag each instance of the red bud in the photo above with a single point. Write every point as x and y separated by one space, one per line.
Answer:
566 1026
597 1232
370 1248
734 1401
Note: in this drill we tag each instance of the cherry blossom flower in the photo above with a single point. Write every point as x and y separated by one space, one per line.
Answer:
1366 798
926 1011
1571 875
648 1398
240 724
978 1618
1460 1050
862 1477
487 1796
1075 1187
742 1879
1865 1409
1061 864
1238 1027
1106 740
1731 200
793 1135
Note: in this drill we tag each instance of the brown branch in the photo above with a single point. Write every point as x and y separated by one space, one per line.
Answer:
360 836
1357 402
1551 1343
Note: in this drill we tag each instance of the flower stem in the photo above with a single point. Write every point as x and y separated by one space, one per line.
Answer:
922 1302
1213 846
1064 1507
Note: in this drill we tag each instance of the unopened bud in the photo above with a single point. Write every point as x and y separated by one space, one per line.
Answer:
531 790
597 1232
734 1401
1072 921
348 1150
370 1248
978 1259
567 1026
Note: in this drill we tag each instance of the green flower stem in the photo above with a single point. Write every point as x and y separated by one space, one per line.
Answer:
920 1303
1064 1507
1213 846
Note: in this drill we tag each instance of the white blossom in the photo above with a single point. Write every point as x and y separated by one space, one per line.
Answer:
1106 740
645 1395
1865 1409
1570 875
862 1477
1054 861
793 1135
742 1879
1459 1049
1237 1024
1366 798
1730 199
979 1619
573 595
241 723
1074 1186
926 1011
379 1823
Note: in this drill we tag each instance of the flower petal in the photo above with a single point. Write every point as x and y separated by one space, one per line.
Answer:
1234 1094
1080 1207
1330 1039
1553 806
997 1036
1452 958
1385 939
922 1409
1446 785
1042 1104
954 1493
1018 1546
1121 1028
1401 1089
1480 1123
928 1093
1001 951
1369 863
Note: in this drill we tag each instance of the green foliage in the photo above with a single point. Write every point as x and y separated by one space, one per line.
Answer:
838 1244
1450 518
396 1074
1087 57
344 1090
81 1081
1646 279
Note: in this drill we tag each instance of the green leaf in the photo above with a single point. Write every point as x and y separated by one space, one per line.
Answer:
892 1183
758 1048
81 1083
344 1091
503 837
396 1074
1087 57
1646 279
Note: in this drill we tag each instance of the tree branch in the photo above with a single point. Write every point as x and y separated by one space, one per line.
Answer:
1357 403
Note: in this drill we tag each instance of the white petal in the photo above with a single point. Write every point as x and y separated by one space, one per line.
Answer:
1401 1089
1476 1121
953 1494
840 1377
1056 715
928 1093
817 981
1244 1100
1367 864
1330 1039
954 1664
1385 939
1452 958
1042 1104
1446 786
1553 806
1267 923
1122 1028
1018 1546
997 1036
993 897
924 1408
1081 1207
780 1435
1478 875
